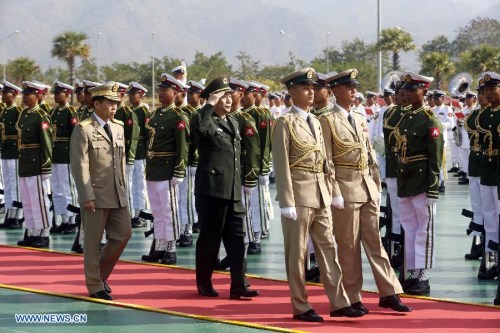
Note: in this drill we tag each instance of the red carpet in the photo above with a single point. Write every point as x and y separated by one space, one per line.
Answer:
174 290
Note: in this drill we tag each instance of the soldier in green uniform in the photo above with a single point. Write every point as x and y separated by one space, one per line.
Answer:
64 119
8 119
322 94
79 92
136 164
487 124
35 166
165 170
420 151
86 111
2 103
41 101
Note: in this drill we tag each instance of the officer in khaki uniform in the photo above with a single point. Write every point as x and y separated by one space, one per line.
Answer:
420 151
304 199
35 166
10 155
98 168
355 180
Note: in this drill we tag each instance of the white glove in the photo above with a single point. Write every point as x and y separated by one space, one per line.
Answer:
264 180
176 181
338 202
248 190
46 176
289 212
129 168
430 201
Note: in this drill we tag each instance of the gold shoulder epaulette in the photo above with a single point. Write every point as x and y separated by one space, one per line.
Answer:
85 122
356 111
429 113
116 121
72 109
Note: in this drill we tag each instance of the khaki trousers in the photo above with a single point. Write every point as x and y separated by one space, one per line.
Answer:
355 224
116 222
317 224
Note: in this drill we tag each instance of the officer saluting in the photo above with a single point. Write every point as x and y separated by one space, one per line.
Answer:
304 198
420 150
98 168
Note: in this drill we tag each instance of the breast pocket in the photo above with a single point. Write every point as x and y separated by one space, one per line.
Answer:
98 149
120 149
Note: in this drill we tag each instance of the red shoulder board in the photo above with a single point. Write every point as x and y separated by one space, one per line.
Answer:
181 125
74 121
130 122
263 124
249 131
434 132
45 125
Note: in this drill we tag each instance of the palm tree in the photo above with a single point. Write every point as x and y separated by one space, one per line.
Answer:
395 40
23 69
439 65
481 59
67 47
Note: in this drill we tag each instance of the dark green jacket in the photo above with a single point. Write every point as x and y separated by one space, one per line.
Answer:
319 112
487 124
64 119
167 144
391 120
475 154
263 120
193 144
219 145
420 150
35 138
143 115
250 149
85 112
8 120
130 131
45 107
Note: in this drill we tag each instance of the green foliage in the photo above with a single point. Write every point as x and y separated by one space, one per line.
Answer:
437 44
67 47
22 69
209 67
480 59
437 65
249 68
479 31
395 40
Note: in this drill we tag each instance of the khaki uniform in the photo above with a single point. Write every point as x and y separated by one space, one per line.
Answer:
355 177
98 168
299 158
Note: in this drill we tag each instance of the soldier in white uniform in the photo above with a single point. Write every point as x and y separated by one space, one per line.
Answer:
464 144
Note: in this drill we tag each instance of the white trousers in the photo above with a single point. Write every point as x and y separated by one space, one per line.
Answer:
139 185
417 220
476 202
63 189
455 152
260 209
381 163
491 209
463 157
10 182
36 202
165 209
246 201
187 210
130 189
392 191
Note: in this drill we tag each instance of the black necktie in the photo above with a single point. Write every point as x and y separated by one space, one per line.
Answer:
108 132
311 126
351 121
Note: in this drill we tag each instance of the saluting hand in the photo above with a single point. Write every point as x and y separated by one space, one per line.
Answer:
89 206
214 98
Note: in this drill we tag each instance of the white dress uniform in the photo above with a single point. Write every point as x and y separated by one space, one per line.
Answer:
445 115
463 149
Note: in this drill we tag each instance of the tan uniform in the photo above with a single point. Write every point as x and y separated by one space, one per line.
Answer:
298 157
98 168
355 177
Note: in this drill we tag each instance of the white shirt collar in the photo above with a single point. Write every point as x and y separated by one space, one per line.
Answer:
100 121
302 113
344 112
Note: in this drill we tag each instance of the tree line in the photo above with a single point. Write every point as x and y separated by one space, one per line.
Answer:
475 49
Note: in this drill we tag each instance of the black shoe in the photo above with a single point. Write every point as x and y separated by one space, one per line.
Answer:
7 222
442 189
245 293
420 288
196 228
489 274
383 185
77 247
360 307
408 283
454 169
70 228
476 252
222 265
27 241
137 222
347 311
41 242
102 294
393 302
310 315
312 275
186 241
107 288
16 224
463 181
154 256
208 292
254 248
170 258
58 229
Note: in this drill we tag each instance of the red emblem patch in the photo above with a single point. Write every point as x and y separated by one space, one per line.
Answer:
45 125
130 122
271 123
450 114
249 131
74 121
147 120
434 132
181 125
263 124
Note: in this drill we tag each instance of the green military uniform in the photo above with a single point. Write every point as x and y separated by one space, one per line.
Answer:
475 154
323 110
142 114
85 112
250 150
487 122
193 144
131 130
64 119
8 120
45 107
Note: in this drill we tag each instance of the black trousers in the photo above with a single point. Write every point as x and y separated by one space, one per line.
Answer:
220 219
